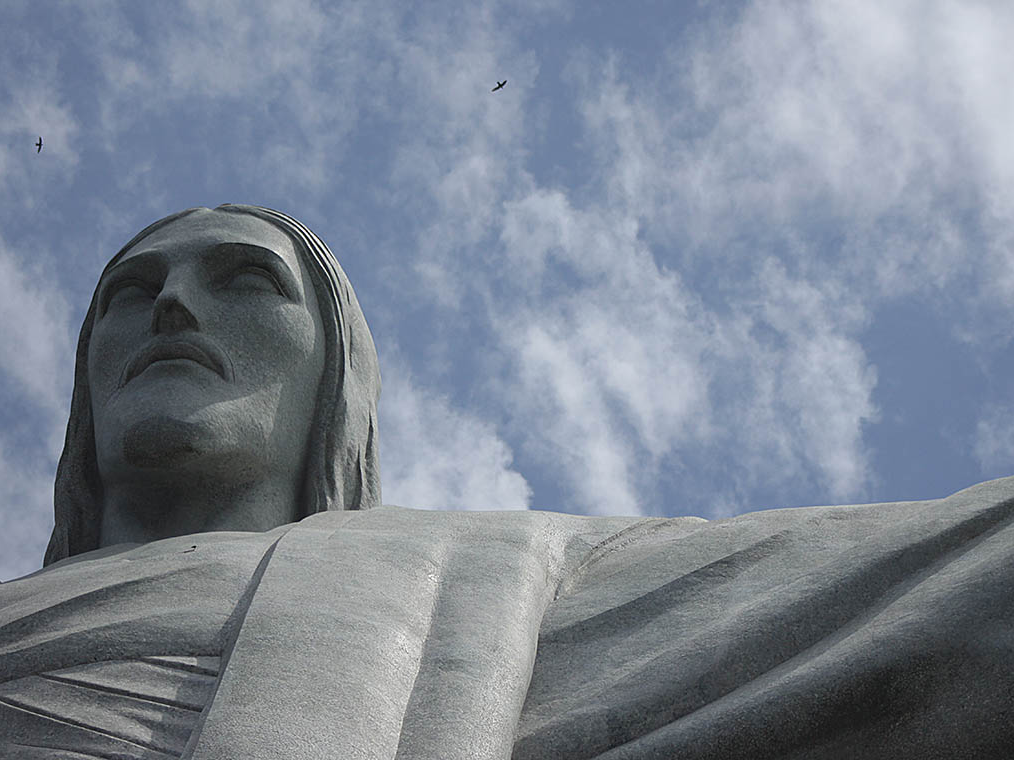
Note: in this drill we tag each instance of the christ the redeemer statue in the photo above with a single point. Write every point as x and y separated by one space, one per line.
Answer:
223 583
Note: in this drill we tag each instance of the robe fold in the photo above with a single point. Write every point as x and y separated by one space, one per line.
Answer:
874 631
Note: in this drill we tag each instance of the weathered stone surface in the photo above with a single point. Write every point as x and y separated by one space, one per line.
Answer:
299 622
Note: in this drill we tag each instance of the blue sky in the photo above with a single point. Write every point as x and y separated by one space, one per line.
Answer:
693 259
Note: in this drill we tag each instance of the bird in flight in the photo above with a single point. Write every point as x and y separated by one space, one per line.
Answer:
39 146
499 85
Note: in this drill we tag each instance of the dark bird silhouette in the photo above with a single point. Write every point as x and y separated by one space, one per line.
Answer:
39 146
499 85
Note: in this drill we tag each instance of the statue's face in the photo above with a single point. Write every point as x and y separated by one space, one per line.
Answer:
206 353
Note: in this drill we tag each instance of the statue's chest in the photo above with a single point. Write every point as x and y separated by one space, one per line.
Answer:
119 655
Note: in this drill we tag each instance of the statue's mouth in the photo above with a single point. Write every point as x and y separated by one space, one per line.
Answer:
175 349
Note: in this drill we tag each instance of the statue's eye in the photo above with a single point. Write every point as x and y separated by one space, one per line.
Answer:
253 278
127 291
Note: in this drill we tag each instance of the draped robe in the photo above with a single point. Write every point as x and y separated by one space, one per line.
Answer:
873 631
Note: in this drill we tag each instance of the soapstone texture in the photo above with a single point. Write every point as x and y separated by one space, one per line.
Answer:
353 630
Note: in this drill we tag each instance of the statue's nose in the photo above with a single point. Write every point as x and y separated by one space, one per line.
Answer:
170 313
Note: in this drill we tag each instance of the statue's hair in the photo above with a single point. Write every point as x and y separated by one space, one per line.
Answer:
342 467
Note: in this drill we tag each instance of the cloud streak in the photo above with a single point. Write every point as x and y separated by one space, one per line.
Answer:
437 456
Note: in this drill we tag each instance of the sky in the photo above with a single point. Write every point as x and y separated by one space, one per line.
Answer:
693 259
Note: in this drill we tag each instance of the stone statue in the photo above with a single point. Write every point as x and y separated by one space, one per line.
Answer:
222 581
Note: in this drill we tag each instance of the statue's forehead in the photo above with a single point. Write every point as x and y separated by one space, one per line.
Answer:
206 228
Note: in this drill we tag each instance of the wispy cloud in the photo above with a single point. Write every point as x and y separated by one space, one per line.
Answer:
607 373
617 366
798 169
281 82
887 122
993 441
34 104
26 495
437 456
36 348
36 370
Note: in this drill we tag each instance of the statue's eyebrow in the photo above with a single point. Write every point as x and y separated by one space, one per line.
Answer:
147 265
150 261
260 255
213 258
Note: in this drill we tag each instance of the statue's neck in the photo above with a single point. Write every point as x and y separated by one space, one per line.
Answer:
146 510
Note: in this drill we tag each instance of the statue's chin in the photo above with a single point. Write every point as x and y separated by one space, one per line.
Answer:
160 442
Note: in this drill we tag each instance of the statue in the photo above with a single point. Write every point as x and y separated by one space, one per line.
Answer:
222 581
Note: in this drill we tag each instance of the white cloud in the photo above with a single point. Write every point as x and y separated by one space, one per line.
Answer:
993 441
33 104
889 119
436 456
612 359
36 366
296 72
606 374
823 382
36 348
561 401
618 376
463 148
879 123
26 504
289 83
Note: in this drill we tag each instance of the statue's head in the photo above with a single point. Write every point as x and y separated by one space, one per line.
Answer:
225 342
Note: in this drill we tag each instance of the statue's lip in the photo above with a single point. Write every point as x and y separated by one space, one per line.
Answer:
198 351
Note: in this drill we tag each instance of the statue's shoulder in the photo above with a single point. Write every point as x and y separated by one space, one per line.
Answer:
472 519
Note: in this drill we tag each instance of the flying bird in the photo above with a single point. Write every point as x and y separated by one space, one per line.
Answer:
39 146
499 85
